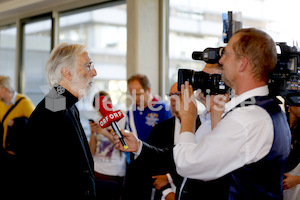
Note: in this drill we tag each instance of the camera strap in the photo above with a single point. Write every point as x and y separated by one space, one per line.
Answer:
11 108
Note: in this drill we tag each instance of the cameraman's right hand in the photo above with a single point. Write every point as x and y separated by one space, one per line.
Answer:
188 108
217 107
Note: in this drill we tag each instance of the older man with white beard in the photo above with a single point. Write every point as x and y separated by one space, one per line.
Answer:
57 160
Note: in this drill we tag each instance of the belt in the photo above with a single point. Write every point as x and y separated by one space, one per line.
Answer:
103 177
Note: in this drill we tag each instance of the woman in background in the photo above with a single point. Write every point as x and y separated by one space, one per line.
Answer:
109 163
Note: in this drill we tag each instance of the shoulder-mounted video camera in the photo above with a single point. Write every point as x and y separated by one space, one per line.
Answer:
208 83
283 81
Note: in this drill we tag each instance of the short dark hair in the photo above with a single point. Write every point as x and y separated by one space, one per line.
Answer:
142 79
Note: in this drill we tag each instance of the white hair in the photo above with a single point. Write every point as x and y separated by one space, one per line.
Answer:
5 82
63 55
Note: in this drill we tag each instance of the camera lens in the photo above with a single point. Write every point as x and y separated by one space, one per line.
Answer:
207 83
198 79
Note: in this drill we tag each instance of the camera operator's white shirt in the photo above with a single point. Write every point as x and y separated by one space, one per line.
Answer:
243 136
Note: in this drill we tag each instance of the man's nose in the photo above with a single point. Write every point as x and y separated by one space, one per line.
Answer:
221 61
94 72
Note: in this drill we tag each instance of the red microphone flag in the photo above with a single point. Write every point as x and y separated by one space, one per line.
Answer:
106 110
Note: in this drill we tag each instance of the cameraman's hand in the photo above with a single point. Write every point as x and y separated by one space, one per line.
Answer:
217 107
188 108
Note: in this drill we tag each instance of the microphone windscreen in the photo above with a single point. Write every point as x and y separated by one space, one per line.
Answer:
197 55
105 106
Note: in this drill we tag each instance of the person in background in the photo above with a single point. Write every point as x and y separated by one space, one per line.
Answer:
163 136
291 182
57 158
145 112
109 163
15 109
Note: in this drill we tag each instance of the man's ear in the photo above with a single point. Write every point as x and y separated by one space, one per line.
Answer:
244 64
67 73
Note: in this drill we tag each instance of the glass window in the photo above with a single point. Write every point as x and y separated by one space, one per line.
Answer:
37 47
104 32
194 26
8 51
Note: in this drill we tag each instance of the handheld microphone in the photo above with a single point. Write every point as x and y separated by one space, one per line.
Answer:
110 117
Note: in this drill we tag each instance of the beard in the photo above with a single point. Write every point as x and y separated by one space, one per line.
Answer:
81 85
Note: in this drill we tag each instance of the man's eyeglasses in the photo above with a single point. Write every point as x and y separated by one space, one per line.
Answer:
224 52
173 94
90 66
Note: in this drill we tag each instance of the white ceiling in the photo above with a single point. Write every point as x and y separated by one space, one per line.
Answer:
12 8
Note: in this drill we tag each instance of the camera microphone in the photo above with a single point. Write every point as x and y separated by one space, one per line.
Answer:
209 55
110 117
197 55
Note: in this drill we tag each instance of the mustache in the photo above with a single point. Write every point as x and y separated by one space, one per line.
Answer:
91 81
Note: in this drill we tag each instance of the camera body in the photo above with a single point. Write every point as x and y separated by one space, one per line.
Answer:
208 83
285 79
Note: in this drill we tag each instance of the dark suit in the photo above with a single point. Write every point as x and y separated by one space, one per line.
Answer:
57 158
162 136
193 189
138 181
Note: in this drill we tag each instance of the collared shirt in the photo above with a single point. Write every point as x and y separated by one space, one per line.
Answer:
205 127
13 99
243 136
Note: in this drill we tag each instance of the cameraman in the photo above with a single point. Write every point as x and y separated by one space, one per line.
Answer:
251 143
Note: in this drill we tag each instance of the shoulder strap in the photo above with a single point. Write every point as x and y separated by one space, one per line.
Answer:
266 102
11 108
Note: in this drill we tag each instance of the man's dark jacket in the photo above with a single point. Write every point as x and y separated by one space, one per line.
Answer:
57 160
138 180
157 159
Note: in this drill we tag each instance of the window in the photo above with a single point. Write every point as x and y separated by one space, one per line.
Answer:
8 51
103 30
37 47
195 25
